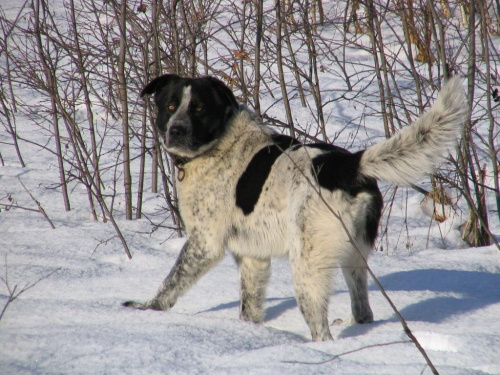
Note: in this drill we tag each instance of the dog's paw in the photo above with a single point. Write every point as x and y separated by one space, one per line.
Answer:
149 305
364 318
134 304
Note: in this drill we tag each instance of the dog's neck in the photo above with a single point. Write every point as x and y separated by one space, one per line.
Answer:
245 128
179 161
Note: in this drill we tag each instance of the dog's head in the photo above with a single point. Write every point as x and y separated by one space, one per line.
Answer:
193 113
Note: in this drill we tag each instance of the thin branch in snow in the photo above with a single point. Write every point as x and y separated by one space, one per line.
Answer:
13 291
40 208
337 356
14 204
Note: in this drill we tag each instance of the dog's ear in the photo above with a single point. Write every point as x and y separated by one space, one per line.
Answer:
158 83
224 92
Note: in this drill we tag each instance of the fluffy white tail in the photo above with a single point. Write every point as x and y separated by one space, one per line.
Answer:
417 149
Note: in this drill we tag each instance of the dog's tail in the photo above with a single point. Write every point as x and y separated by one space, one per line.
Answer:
418 148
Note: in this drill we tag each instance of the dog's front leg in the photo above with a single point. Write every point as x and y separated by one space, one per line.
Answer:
193 262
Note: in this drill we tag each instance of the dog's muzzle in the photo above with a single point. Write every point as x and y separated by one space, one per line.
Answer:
177 133
178 136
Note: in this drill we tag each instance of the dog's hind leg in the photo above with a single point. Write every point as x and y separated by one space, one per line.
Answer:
356 276
254 275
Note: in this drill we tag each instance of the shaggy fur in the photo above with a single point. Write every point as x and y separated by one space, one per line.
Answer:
259 195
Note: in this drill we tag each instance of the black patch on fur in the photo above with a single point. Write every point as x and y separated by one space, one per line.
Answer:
284 141
373 213
252 180
338 169
327 147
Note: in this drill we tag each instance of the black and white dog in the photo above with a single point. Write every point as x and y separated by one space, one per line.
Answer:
260 194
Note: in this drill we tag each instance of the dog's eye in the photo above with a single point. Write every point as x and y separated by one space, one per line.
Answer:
198 108
171 107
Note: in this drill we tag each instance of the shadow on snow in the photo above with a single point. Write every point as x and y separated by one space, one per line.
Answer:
465 291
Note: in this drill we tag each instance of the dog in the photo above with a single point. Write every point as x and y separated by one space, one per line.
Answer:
261 194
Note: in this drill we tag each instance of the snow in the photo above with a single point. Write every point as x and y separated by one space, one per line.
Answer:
71 321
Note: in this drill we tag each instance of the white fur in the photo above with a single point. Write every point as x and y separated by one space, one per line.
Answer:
418 148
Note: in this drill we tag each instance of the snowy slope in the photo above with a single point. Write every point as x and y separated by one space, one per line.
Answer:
73 322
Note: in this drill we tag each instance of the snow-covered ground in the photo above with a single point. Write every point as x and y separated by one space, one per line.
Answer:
72 322
71 281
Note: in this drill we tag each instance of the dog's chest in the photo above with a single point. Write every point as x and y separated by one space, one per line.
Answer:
206 193
207 201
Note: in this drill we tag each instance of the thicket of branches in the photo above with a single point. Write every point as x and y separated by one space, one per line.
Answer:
88 60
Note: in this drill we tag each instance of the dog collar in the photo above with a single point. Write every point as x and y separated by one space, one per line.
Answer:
179 163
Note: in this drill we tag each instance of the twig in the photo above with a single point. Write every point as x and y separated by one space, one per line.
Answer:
40 208
337 356
102 242
468 197
7 207
13 293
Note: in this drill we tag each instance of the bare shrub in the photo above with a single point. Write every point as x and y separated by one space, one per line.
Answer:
297 63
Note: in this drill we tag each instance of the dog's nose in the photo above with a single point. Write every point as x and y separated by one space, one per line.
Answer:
177 131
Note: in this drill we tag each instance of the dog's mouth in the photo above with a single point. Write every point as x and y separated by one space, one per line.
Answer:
189 150
186 148
177 146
